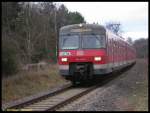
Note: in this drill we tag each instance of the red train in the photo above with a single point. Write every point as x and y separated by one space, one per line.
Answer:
89 49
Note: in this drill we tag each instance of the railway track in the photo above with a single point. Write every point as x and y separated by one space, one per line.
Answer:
58 99
53 102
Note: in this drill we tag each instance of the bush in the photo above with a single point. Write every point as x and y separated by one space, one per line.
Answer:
9 61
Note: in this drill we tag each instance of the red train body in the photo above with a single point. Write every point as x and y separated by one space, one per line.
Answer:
86 50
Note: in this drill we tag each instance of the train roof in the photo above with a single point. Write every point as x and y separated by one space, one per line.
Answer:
82 25
94 27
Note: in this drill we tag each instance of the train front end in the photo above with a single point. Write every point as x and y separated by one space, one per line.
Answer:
82 51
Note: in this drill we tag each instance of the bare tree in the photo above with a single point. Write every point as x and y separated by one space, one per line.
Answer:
31 30
115 27
129 40
141 46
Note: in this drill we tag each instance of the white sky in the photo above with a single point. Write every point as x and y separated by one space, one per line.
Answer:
132 15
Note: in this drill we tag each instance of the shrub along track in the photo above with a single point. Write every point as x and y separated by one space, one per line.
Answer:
65 95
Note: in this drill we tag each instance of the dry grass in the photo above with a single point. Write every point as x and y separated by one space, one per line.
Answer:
140 93
28 83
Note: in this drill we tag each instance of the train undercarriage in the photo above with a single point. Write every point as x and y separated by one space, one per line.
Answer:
80 72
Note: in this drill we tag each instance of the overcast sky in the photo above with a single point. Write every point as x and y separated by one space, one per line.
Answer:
132 15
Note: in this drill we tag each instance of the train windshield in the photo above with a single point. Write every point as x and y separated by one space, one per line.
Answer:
93 41
69 42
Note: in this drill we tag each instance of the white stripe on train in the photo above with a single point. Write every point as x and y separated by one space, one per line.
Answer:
102 66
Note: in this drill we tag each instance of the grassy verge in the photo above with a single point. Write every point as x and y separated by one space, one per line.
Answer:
139 96
28 83
138 100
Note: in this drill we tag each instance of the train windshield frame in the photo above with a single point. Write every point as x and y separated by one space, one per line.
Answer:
82 41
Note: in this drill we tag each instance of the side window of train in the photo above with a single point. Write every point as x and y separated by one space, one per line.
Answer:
106 41
119 48
118 45
109 43
110 47
114 43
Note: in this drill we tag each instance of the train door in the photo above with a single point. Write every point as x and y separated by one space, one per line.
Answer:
110 51
107 48
108 42
126 55
113 52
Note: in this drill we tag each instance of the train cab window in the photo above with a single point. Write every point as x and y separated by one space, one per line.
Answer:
69 42
93 41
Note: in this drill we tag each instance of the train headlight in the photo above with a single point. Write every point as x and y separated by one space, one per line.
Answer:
64 59
97 58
